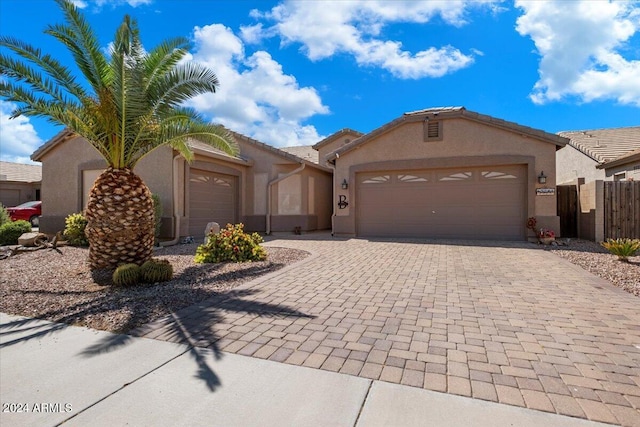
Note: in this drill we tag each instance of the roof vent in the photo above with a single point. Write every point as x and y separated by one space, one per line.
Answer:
432 130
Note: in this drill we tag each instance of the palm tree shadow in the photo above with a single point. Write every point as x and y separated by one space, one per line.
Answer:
191 324
181 328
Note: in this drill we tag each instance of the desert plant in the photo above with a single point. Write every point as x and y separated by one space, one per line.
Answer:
126 275
623 248
4 215
74 230
156 270
11 231
231 244
129 101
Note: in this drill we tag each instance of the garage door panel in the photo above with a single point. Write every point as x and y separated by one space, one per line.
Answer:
212 198
485 203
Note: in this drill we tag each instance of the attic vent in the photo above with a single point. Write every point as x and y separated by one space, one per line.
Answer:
432 130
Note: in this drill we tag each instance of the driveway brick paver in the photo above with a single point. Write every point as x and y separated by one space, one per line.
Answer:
499 322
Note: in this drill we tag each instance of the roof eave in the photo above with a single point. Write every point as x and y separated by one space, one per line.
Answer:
557 140
277 151
60 137
619 161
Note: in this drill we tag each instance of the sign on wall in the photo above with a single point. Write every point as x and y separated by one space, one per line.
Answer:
545 191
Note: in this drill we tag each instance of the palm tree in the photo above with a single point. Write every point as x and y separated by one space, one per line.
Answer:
129 105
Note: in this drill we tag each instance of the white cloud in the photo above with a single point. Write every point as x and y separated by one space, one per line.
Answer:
132 3
18 138
255 96
80 4
581 47
355 28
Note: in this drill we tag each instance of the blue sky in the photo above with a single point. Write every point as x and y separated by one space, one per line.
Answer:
294 72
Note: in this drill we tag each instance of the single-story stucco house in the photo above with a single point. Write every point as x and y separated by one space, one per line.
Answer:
446 173
265 188
19 183
440 172
600 154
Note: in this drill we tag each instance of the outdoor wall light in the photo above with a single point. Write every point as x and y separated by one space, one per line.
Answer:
345 184
542 178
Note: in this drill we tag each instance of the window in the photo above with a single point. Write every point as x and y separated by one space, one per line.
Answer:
432 130
412 178
377 179
620 176
460 176
497 175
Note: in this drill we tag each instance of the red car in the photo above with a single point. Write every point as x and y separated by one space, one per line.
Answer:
29 211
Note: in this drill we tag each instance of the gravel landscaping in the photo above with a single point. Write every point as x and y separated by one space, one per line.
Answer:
597 260
59 286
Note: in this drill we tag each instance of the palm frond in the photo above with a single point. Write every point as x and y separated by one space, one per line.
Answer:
60 74
82 42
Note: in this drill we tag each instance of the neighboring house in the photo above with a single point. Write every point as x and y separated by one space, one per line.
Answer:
19 183
588 164
445 173
600 154
265 188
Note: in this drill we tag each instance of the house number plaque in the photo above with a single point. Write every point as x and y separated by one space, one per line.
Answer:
342 201
545 191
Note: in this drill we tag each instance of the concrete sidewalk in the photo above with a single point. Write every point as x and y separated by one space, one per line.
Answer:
57 374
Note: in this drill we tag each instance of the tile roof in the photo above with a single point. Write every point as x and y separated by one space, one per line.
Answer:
605 145
306 152
18 172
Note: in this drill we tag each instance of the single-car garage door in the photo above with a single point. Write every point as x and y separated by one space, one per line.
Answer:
463 203
212 198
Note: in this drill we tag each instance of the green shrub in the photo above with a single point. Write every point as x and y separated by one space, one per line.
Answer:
156 270
4 215
157 215
231 244
74 230
623 248
126 275
10 231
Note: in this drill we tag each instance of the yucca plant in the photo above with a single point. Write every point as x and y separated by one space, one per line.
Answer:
129 104
623 248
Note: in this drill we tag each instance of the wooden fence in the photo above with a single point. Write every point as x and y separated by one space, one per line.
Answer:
622 209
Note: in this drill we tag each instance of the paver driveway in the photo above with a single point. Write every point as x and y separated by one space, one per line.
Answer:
502 322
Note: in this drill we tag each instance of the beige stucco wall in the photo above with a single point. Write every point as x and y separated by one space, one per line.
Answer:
334 145
64 165
631 171
62 170
572 163
464 143
591 220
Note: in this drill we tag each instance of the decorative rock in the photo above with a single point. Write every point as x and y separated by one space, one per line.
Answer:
32 239
212 227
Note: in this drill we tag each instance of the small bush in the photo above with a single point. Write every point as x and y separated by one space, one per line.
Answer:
126 275
623 248
156 270
4 215
231 244
74 230
11 231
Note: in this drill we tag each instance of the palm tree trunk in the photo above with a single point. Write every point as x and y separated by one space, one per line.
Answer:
120 220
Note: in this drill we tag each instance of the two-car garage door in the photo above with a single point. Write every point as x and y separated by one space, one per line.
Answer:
461 203
212 198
